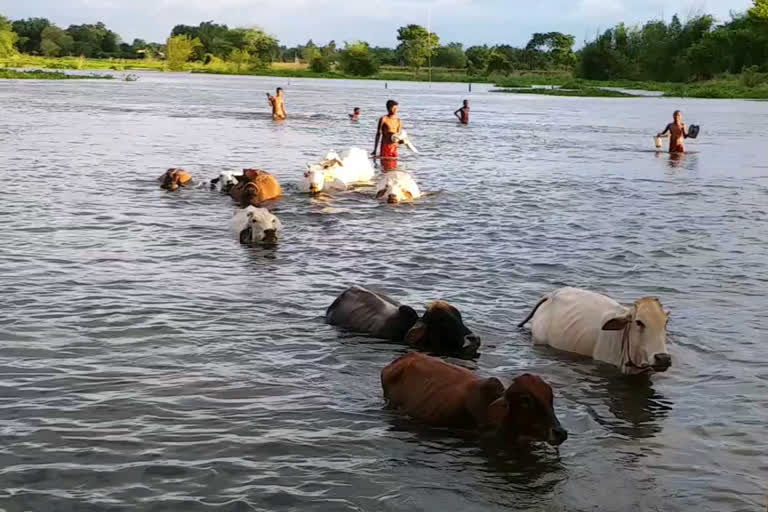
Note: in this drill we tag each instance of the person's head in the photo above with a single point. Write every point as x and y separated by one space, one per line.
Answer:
466 103
392 107
677 116
279 91
357 110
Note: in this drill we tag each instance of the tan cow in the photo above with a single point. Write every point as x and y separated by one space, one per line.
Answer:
441 394
174 178
255 187
633 338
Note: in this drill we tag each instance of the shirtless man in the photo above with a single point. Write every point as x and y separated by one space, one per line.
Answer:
355 114
463 113
277 104
677 133
389 125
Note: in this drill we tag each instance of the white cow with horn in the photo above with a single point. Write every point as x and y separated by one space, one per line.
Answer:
633 338
336 173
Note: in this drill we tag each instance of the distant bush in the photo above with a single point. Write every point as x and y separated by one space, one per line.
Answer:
320 64
356 59
751 77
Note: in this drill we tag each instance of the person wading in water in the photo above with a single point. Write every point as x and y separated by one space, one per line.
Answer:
677 133
389 125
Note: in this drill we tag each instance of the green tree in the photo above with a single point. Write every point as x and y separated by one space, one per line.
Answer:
477 58
450 56
309 51
550 49
385 56
29 32
357 59
240 58
760 10
320 63
54 42
8 38
416 45
179 49
498 63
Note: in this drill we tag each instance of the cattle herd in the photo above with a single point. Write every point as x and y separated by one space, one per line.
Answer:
425 387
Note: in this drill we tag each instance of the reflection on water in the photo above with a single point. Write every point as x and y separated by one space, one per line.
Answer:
149 361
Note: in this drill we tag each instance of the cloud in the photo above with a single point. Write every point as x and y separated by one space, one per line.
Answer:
296 21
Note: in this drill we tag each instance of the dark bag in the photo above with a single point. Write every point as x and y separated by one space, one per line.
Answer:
693 131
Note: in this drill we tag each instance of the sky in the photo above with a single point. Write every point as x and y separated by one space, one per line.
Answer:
295 21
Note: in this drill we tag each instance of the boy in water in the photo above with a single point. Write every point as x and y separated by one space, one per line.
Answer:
389 125
463 113
278 104
677 133
355 114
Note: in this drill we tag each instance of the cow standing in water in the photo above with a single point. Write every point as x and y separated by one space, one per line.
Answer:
440 394
633 338
440 329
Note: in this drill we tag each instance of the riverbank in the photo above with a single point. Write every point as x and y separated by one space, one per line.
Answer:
38 74
558 83
727 87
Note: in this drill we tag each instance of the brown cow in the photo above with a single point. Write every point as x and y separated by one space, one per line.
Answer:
174 178
445 395
255 187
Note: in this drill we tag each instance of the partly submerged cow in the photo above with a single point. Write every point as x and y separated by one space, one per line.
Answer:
174 178
440 329
256 225
440 394
633 338
255 187
396 187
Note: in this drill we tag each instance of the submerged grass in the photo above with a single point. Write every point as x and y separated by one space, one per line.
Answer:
39 74
729 86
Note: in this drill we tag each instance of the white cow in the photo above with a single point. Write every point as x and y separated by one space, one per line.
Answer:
224 182
633 338
256 225
336 173
396 187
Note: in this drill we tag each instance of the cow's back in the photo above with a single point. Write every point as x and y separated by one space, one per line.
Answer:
428 389
361 310
571 319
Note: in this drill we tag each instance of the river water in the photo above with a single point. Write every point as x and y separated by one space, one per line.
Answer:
148 361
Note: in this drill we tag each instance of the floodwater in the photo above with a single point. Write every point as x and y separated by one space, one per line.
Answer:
148 361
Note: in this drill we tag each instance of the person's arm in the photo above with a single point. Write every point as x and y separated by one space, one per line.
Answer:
457 114
378 136
666 129
685 131
282 108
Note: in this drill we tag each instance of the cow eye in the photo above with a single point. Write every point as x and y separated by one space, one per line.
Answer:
640 324
526 402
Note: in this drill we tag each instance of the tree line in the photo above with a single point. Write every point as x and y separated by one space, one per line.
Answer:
698 49
675 51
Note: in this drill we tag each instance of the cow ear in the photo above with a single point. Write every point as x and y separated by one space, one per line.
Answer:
481 397
380 193
407 194
618 323
417 334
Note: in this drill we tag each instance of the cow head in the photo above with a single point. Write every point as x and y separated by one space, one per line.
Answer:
644 340
315 178
393 192
173 179
442 330
225 181
263 227
523 412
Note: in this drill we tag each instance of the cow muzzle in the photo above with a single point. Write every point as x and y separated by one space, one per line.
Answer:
270 235
661 362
